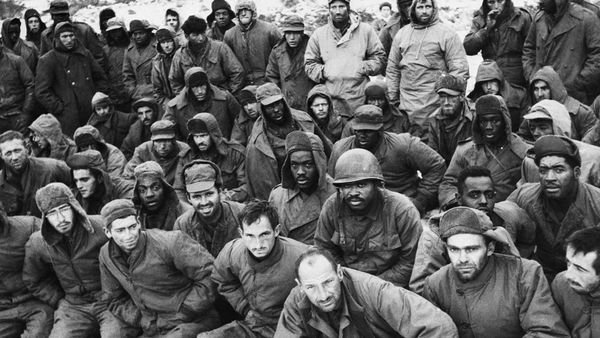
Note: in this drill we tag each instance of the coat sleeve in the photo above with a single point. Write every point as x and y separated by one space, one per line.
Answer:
99 74
324 232
38 275
539 315
176 75
589 75
233 108
238 132
115 163
233 69
44 82
393 72
313 62
228 283
28 81
272 72
477 36
240 193
456 58
128 146
529 52
136 160
584 121
290 321
386 40
118 301
430 258
95 47
158 89
128 74
432 167
375 57
448 189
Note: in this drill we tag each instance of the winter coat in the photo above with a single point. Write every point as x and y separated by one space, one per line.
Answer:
400 157
344 63
138 133
55 269
582 116
286 70
16 88
505 165
389 31
225 229
65 83
420 54
334 125
383 242
504 42
583 213
138 292
509 298
571 47
298 214
145 152
431 252
444 136
257 289
38 173
115 127
114 160
580 311
215 33
61 146
218 60
25 49
370 310
252 47
137 70
114 58
161 65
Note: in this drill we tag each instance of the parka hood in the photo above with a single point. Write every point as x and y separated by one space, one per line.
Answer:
213 130
95 134
319 90
30 13
4 32
551 77
169 197
477 133
413 17
48 127
561 120
166 31
192 71
488 70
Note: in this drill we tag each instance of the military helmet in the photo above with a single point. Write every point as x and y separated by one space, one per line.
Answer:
357 165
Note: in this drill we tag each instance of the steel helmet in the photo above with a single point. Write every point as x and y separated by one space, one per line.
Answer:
357 165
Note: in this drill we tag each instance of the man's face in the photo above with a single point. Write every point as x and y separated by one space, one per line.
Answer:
125 232
163 147
251 109
548 6
274 112
167 46
222 17
581 274
496 5
358 195
91 146
67 39
321 282
451 106
320 107
14 154
141 37
478 193
540 127
200 92
376 101
293 39
14 30
34 24
39 140
366 138
245 16
202 141
424 11
492 127
557 178
541 91
173 22
468 255
197 38
386 12
259 237
116 34
339 12
491 87
206 202
304 169
103 109
85 182
61 218
151 192
146 115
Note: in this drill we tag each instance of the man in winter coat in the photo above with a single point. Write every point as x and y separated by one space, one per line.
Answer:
112 124
213 221
173 22
61 267
22 175
17 92
420 52
22 314
286 63
397 21
475 190
155 199
255 273
251 41
331 300
547 85
566 37
48 140
320 106
220 20
67 78
499 30
265 152
492 146
559 204
155 280
147 112
342 55
117 42
166 46
244 122
200 96
220 63
453 123
479 284
137 62
490 80
207 143
576 290
88 137
366 226
11 32
103 17
35 26
305 186
93 186
400 156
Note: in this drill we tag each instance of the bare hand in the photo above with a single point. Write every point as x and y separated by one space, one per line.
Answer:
490 20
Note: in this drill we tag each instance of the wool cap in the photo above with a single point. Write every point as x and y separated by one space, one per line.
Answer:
217 5
384 4
88 159
297 141
194 24
201 175
138 25
62 27
164 34
145 102
268 93
100 98
59 7
554 145
30 13
464 220
202 123
245 4
162 130
116 209
148 169
197 79
368 117
450 84
106 14
115 23
489 104
292 23
248 95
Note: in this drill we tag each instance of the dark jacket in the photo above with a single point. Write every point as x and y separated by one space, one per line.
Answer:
145 152
389 31
25 49
16 87
215 33
334 125
580 311
114 128
137 70
138 133
444 135
165 217
161 65
115 54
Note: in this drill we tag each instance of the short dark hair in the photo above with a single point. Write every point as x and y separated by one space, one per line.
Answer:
385 4
256 208
472 171
313 252
586 241
12 135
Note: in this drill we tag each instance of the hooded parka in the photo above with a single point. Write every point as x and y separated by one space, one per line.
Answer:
25 49
61 146
161 65
114 127
31 36
243 124
580 311
114 160
115 54
137 69
333 126
16 91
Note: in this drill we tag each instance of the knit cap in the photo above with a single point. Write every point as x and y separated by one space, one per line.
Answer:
116 209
